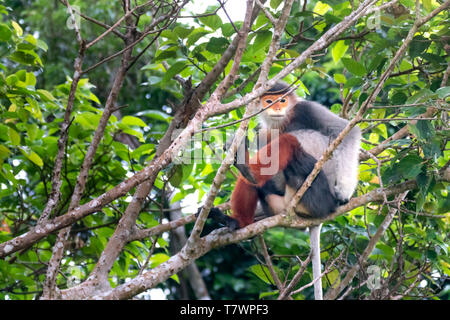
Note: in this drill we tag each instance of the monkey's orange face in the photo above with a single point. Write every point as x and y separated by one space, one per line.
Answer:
279 108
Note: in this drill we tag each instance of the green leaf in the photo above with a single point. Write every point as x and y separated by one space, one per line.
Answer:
33 156
292 53
268 294
432 149
228 29
363 96
399 98
5 32
321 8
376 62
177 177
32 130
387 250
217 45
339 50
182 32
166 54
17 28
45 95
143 149
156 115
179 196
173 70
23 57
213 21
275 3
30 39
332 277
262 40
353 82
187 170
11 80
339 78
135 133
410 166
196 35
157 259
443 92
14 137
4 152
427 5
423 129
93 97
262 272
418 45
133 121
30 79
169 34
354 67
414 254
41 44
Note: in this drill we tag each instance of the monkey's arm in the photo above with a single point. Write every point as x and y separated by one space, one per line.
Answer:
270 160
318 200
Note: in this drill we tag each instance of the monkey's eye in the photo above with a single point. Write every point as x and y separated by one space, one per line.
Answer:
269 101
283 100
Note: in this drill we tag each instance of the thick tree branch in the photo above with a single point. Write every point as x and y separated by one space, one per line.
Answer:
223 236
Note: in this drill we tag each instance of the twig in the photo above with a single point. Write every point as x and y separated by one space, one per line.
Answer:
226 13
75 25
266 12
287 290
269 264
334 292
115 25
445 76
318 278
395 119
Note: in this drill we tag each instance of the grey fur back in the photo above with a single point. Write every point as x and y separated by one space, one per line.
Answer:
342 169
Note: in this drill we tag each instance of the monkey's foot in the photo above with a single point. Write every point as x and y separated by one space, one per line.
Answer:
221 218
341 197
341 202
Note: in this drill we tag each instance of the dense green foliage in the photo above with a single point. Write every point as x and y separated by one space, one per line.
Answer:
37 54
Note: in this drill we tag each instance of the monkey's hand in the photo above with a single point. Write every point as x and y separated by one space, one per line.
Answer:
218 216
